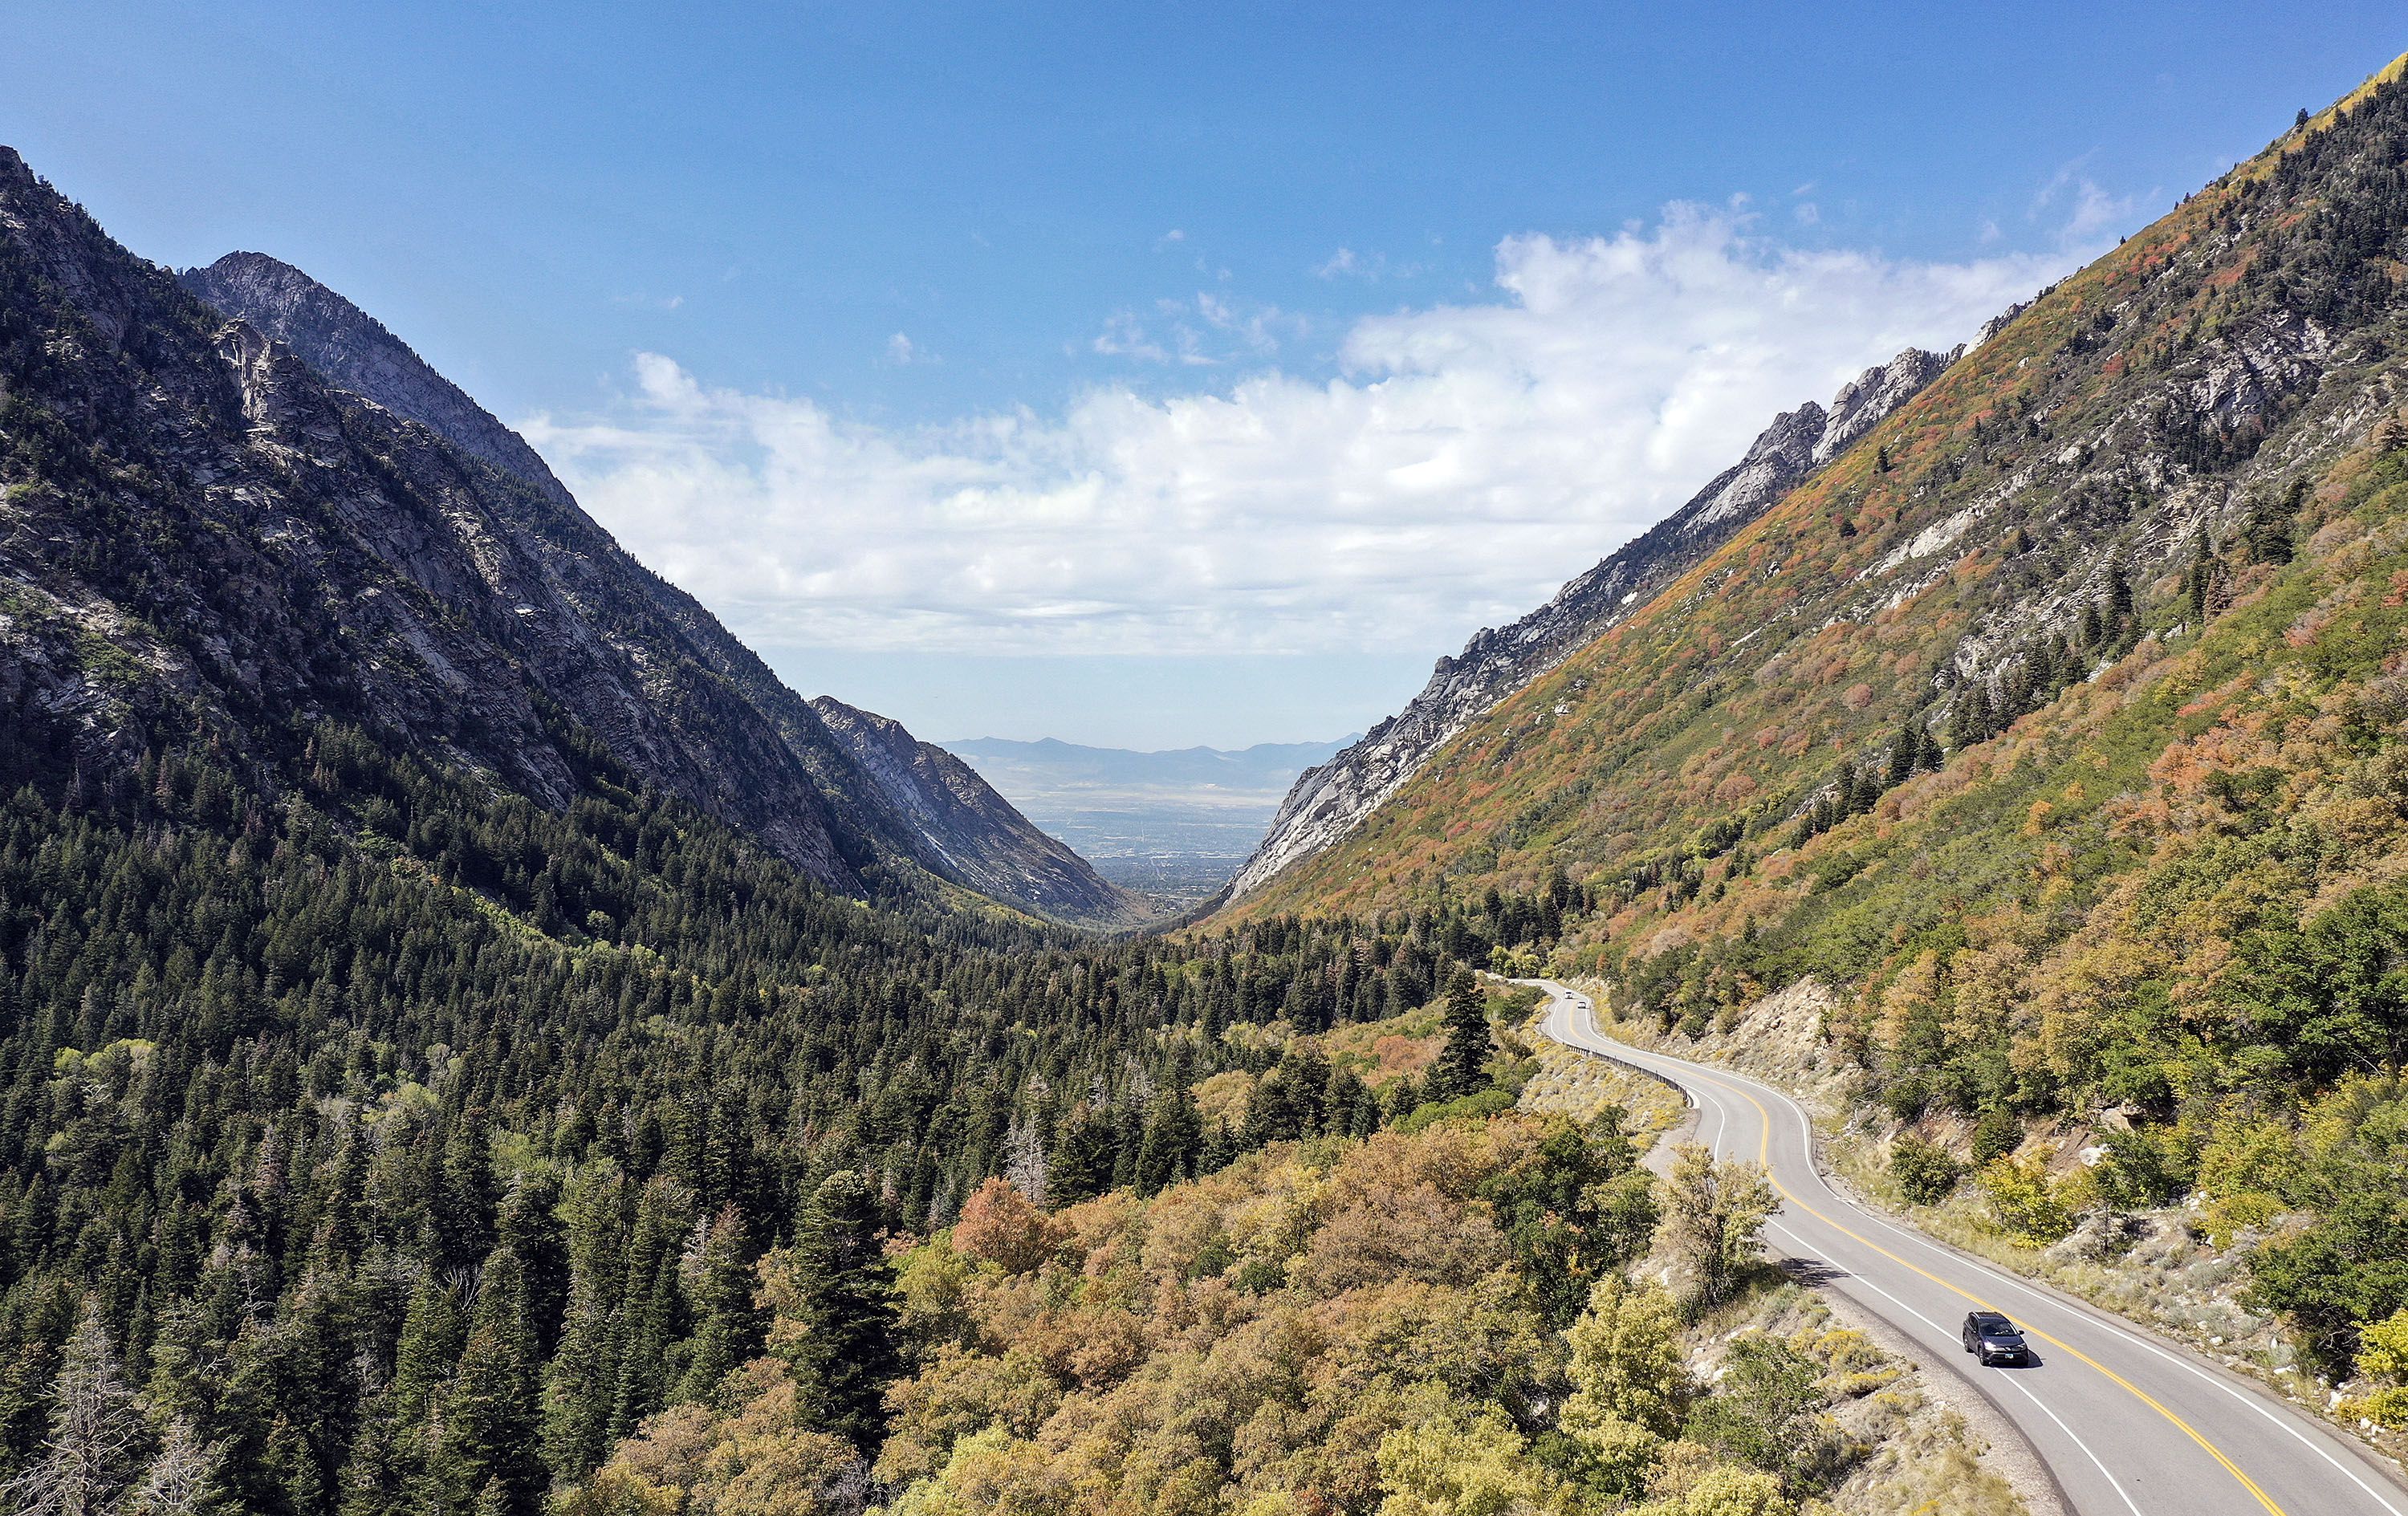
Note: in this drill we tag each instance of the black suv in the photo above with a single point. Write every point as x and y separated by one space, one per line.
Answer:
1994 1339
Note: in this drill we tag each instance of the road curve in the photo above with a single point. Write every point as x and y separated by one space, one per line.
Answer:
2129 1423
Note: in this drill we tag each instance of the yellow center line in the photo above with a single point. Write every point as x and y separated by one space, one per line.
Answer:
1764 1155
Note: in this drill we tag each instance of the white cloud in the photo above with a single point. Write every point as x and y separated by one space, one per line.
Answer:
1463 461
2086 213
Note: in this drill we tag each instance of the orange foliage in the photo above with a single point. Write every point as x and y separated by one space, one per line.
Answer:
999 1226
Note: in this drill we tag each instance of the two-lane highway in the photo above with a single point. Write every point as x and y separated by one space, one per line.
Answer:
2129 1423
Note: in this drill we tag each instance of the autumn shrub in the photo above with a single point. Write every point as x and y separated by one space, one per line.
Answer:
2024 1205
1767 1413
999 1226
1714 1212
1366 1327
2383 1357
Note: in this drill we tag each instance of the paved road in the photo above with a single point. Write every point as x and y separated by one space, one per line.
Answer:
2129 1423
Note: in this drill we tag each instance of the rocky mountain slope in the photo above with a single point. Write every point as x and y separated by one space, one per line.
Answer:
975 836
205 526
2056 497
1327 802
354 351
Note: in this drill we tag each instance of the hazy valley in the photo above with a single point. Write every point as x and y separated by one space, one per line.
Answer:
1176 823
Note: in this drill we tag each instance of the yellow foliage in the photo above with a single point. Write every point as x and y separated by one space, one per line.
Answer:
1726 1491
2024 1204
756 1461
2382 1354
1627 1361
1473 1468
991 1474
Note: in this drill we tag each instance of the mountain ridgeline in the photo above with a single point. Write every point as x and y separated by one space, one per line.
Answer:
1328 801
283 516
2014 522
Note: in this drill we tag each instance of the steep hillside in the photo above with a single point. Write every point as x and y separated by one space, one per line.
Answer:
2064 760
2019 525
949 823
973 833
205 525
353 350
1328 801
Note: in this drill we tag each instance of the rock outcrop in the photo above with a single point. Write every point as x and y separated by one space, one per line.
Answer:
355 352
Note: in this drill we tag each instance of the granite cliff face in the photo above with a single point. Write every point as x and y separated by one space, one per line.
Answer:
208 525
1328 801
354 351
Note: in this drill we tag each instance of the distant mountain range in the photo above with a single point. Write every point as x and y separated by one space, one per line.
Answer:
1175 823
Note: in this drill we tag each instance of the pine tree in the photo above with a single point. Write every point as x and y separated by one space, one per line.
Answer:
651 1305
1174 1135
582 1382
1932 756
727 1327
432 1336
1905 753
378 1480
1864 788
1463 1064
490 1423
530 1229
845 1353
1081 1165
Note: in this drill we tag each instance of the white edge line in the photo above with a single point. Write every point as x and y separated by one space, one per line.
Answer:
2112 1484
1992 1272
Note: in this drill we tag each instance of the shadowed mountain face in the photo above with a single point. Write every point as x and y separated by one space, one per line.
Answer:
983 840
241 504
1327 802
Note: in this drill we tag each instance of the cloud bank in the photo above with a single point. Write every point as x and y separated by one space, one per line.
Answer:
1463 462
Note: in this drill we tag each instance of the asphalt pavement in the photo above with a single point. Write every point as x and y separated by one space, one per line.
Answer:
2127 1423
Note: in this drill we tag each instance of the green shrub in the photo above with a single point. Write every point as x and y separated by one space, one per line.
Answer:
1996 1134
1926 1172
2024 1205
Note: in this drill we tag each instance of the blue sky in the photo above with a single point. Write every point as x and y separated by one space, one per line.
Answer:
1150 374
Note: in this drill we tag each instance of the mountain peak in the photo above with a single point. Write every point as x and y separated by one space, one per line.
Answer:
356 352
323 532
